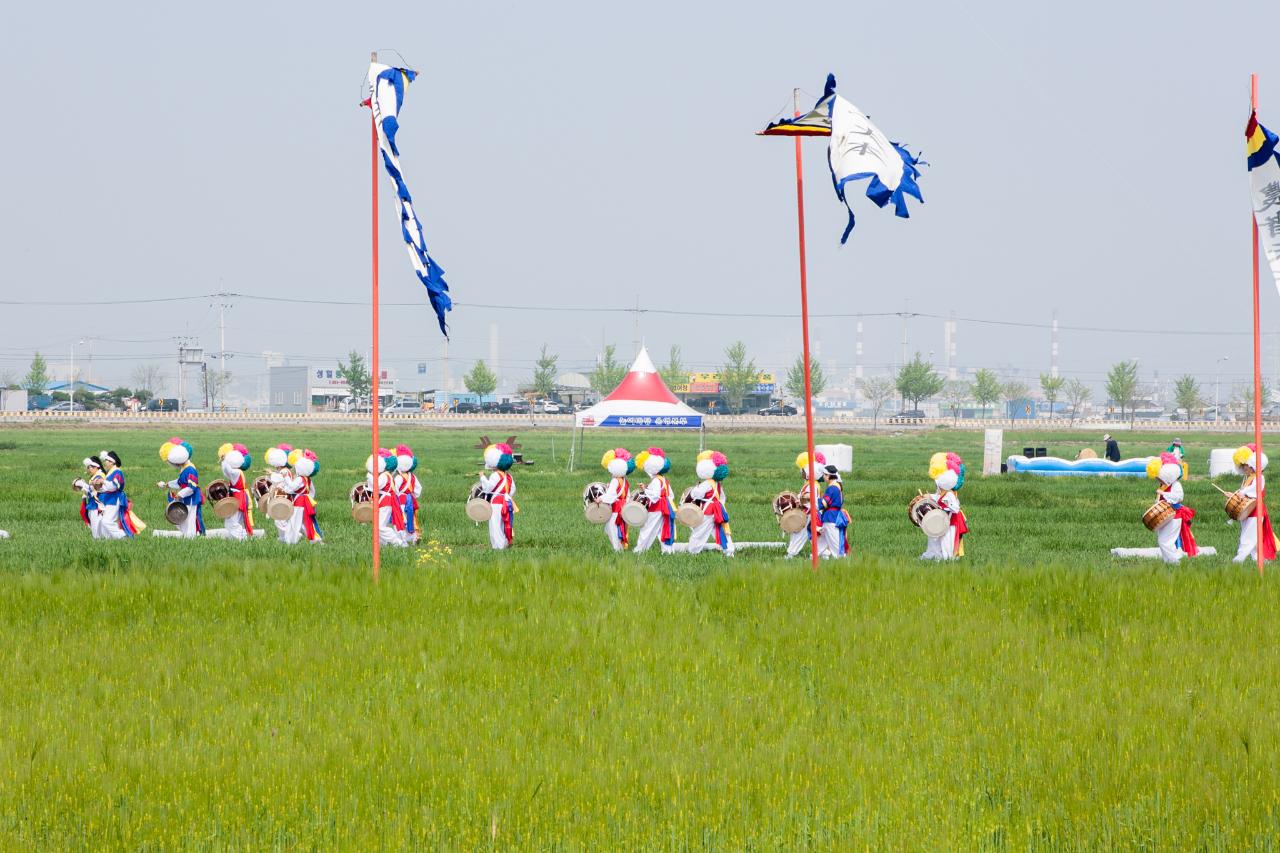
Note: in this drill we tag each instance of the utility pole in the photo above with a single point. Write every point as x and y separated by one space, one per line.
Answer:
906 312
223 304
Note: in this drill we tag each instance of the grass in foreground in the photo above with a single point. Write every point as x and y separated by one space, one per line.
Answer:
165 694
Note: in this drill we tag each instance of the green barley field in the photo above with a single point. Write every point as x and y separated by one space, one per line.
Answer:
158 694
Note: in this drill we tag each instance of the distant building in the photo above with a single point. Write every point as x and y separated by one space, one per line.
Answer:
703 393
287 389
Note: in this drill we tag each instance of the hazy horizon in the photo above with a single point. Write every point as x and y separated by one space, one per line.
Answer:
581 158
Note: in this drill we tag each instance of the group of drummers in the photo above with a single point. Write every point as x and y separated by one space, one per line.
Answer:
390 496
655 513
632 518
284 493
1170 518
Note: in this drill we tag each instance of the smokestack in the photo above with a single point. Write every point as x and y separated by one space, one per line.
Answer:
946 349
493 348
949 335
1053 347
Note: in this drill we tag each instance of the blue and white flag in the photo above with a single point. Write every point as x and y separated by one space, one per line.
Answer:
858 150
387 87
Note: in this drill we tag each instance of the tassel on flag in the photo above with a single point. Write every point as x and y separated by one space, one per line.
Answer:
858 150
387 87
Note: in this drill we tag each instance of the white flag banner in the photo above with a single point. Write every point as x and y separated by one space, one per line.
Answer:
1264 181
857 151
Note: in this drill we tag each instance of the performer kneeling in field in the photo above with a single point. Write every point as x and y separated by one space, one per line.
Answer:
801 537
408 491
619 464
712 468
834 533
91 502
234 460
1173 538
390 517
303 524
1251 465
186 488
947 472
117 520
660 525
499 488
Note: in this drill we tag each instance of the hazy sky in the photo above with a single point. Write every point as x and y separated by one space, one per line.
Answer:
1086 157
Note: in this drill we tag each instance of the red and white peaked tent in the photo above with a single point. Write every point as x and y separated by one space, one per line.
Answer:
641 401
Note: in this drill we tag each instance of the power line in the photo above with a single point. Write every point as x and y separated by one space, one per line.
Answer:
668 312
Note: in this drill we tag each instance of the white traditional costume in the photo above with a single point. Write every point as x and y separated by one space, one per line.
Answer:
947 471
712 469
1250 465
234 460
797 541
390 514
1173 538
303 524
499 488
619 464
185 488
408 490
116 519
833 536
288 484
660 525
90 500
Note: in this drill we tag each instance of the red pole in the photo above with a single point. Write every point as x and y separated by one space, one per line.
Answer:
373 366
804 328
1257 358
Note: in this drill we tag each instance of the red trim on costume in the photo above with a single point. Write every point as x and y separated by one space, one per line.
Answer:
616 506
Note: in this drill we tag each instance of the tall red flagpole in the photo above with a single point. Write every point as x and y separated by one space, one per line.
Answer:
373 365
1257 359
804 327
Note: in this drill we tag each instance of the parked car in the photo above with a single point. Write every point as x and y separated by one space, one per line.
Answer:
547 407
513 407
66 406
463 407
162 404
403 407
781 409
490 408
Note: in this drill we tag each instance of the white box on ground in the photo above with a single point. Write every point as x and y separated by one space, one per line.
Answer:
839 455
992 451
1220 461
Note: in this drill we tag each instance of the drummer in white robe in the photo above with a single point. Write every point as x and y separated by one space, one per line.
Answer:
947 471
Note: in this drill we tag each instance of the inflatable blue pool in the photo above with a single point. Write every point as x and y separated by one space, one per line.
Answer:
1052 466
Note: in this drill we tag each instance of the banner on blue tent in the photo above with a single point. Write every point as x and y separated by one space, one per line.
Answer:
646 422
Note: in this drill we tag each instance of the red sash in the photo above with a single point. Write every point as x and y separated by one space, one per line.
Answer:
397 511
241 495
617 506
1186 513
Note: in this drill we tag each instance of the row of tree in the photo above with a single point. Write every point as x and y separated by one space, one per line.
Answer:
916 381
738 374
147 381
